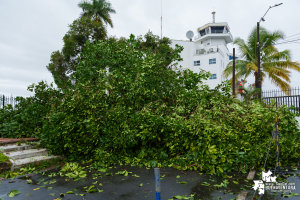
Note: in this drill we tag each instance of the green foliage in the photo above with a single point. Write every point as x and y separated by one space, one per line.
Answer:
3 158
26 119
152 117
99 10
73 170
64 63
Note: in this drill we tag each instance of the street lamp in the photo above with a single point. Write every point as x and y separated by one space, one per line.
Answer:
258 52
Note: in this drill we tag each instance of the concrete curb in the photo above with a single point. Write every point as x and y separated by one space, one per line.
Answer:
243 194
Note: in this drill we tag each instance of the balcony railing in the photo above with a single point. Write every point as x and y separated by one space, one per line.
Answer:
213 32
208 51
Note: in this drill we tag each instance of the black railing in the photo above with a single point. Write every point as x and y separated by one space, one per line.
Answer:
4 100
278 93
286 100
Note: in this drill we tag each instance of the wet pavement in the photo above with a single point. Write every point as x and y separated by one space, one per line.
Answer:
115 187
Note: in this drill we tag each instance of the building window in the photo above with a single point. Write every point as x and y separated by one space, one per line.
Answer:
208 43
197 63
212 61
214 76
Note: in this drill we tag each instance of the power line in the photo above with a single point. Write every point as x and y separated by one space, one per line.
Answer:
290 42
290 37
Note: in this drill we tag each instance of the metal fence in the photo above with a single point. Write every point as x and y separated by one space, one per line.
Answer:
4 100
280 93
286 100
281 98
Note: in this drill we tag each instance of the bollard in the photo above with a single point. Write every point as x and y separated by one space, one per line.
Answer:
157 183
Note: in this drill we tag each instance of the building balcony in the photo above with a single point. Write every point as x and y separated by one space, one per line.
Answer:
208 51
216 34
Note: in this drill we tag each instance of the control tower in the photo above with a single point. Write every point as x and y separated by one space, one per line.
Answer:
208 51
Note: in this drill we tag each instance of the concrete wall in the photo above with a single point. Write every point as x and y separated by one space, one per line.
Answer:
189 56
186 54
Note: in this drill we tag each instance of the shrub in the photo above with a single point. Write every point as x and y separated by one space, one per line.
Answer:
26 119
152 117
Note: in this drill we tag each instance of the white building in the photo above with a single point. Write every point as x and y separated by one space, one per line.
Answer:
208 51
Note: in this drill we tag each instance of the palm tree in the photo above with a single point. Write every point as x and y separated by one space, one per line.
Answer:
274 63
99 10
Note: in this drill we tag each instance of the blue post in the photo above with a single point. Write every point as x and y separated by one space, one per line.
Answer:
157 183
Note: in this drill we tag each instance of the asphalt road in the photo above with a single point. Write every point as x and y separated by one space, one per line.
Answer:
120 187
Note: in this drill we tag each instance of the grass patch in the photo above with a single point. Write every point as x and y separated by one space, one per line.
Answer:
3 158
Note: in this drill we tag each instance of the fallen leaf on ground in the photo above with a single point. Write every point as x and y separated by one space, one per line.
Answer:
13 193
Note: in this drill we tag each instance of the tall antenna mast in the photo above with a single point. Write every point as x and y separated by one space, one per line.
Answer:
161 22
213 16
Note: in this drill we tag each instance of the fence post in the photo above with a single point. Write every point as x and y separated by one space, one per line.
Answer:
157 183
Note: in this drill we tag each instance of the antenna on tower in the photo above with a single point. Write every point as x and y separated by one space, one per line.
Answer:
213 16
161 22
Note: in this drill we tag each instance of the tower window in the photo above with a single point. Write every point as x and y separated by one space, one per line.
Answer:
217 29
212 61
197 63
213 76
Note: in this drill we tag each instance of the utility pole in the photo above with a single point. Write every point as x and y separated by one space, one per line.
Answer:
258 64
258 84
233 74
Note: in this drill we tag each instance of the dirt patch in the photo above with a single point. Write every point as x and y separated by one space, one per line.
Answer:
5 166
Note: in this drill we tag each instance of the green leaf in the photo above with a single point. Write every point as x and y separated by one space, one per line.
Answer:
235 182
13 193
205 183
183 182
177 197
178 176
108 174
102 170
52 194
70 192
141 184
218 186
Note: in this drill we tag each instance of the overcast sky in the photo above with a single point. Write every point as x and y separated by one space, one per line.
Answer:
31 30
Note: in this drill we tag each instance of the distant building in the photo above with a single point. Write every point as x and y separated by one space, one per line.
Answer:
208 51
